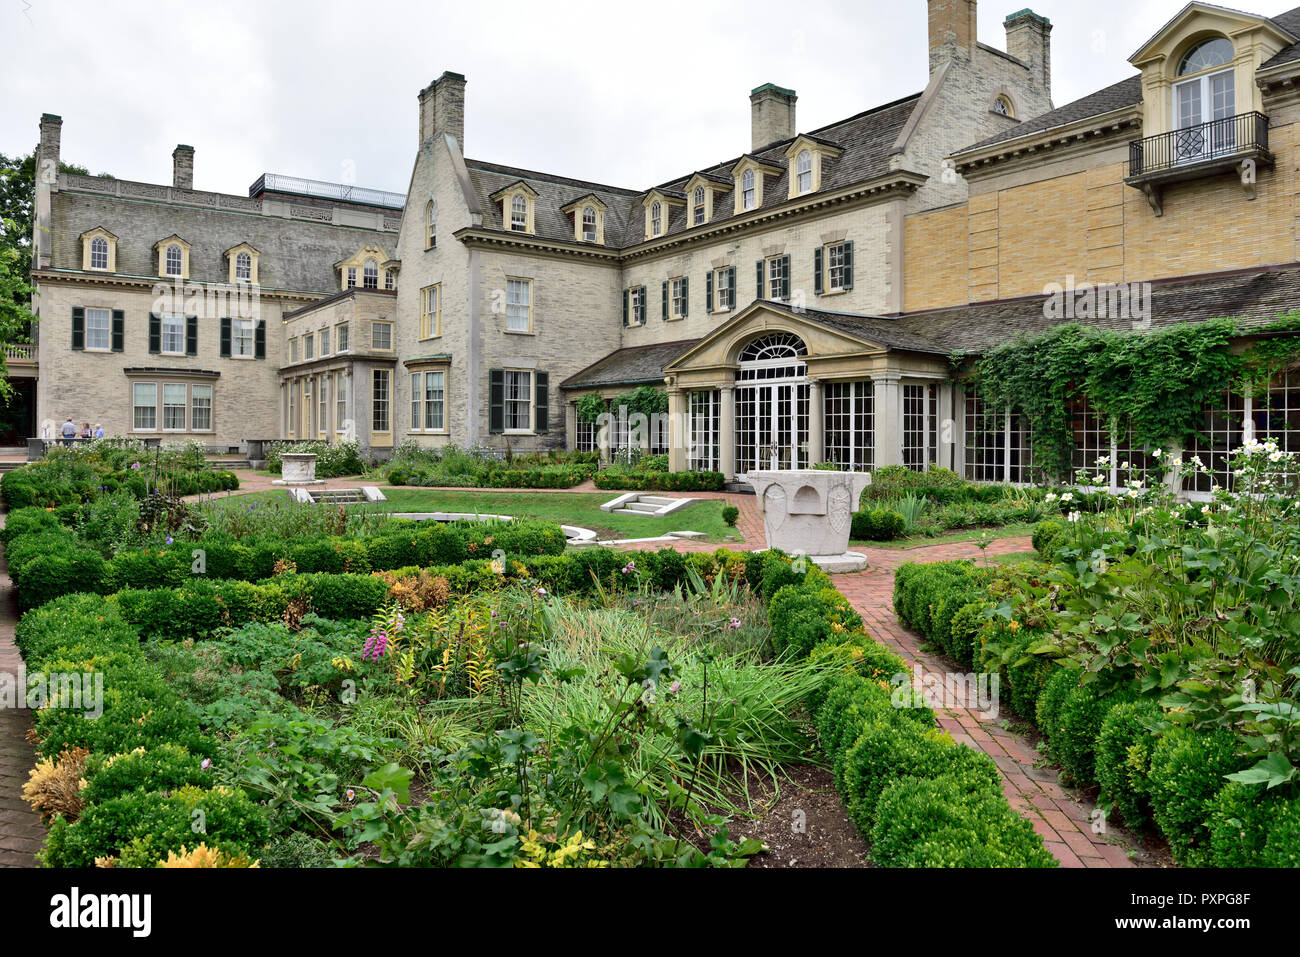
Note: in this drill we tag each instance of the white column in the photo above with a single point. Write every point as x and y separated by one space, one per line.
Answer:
571 425
816 423
888 420
676 430
727 433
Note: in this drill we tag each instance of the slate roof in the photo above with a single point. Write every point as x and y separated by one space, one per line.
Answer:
866 140
636 365
1290 22
1114 97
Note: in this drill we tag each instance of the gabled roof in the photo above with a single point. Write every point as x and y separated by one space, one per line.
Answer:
1114 97
511 187
584 199
636 365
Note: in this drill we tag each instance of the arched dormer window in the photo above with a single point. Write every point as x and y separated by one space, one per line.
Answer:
804 168
99 253
173 260
697 206
1002 106
656 218
519 214
1205 95
370 275
1216 51
243 267
431 225
747 190
589 224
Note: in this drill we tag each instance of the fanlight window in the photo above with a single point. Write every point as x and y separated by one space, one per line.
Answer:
781 345
1211 53
99 253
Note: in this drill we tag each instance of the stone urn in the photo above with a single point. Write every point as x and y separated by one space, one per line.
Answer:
810 512
298 468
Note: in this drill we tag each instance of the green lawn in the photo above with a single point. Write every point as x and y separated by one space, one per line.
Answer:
965 535
576 508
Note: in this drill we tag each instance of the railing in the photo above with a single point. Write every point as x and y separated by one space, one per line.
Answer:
21 352
1217 139
276 183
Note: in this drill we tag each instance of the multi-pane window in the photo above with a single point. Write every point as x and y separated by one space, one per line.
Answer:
519 305
381 336
99 327
724 294
656 218
293 349
325 342
340 401
1222 431
370 275
431 311
144 406
849 424
518 401
379 400
99 253
636 299
293 408
309 346
697 206
342 336
920 404
173 407
836 261
704 411
431 225
173 335
747 190
352 277
243 267
778 278
173 260
585 438
201 408
322 405
241 337
1096 437
588 224
306 407
678 293
518 214
390 279
1275 412
427 394
804 167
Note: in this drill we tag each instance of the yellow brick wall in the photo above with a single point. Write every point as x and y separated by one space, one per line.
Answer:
936 258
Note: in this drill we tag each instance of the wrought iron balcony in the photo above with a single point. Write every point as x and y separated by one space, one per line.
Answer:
1202 150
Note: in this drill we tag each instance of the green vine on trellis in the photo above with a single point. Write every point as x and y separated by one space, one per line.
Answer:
1159 383
646 400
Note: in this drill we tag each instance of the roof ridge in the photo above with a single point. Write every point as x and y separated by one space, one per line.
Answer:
520 172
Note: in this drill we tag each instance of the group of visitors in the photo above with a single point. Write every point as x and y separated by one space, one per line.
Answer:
69 431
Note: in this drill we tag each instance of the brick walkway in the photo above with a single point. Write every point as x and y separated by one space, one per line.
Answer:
21 832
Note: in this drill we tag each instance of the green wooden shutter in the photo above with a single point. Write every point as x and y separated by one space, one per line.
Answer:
155 333
191 335
817 271
542 387
665 302
225 337
785 281
848 265
708 291
259 340
731 286
642 306
627 293
119 330
497 400
686 296
759 269
78 327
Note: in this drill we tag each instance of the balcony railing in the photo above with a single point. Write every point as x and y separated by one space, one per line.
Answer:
1221 139
277 183
21 352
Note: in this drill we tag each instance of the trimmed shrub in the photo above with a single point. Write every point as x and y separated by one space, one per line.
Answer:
1187 772
1240 818
1282 848
730 514
1124 747
877 525
1045 535
618 478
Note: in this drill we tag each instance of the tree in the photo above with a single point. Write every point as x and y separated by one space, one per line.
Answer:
15 294
17 193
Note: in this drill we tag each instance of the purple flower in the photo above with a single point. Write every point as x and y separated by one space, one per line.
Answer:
169 539
675 687
207 763
375 647
629 568
135 465
734 623
541 592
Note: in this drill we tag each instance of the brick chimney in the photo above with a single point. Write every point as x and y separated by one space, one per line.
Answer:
1029 38
952 30
183 167
51 135
442 109
772 115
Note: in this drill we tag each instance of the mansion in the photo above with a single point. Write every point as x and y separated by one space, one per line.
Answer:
810 300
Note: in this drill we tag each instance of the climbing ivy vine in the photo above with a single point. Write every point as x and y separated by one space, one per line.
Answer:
646 400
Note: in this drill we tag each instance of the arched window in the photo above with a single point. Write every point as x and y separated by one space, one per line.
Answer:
589 224
656 218
431 225
370 275
747 190
243 267
519 214
776 345
1002 107
173 260
1211 53
805 172
698 203
99 253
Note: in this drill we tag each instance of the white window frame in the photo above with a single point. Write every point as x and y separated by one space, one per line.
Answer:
721 280
98 247
748 194
173 327
106 315
698 206
431 311
340 401
384 343
172 405
677 298
804 165
589 224
325 341
342 338
834 268
518 377
196 408
519 309
381 401
370 274
136 407
243 267
167 260
656 219
518 213
243 339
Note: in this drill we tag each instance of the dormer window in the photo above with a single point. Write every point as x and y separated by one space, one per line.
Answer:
370 275
365 269
431 225
804 173
588 224
748 198
99 253
656 219
243 267
518 207
519 214
697 207
352 277
99 250
173 260
806 158
1215 52
586 215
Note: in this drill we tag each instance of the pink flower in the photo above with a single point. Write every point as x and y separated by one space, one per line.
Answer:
675 687
734 623
207 763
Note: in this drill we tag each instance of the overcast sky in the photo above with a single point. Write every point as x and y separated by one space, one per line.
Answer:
629 94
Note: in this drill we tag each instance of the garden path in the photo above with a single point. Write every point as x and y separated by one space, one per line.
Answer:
21 832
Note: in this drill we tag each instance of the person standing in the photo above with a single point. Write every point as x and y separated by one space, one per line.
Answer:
68 431
99 431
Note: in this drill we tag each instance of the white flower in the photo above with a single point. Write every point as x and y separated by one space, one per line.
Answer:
1051 497
1074 516
1157 453
1067 497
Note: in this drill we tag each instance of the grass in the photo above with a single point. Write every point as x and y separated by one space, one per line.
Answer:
568 508
965 535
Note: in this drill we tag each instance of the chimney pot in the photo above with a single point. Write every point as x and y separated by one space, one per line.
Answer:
442 109
1029 39
51 135
953 30
183 167
772 115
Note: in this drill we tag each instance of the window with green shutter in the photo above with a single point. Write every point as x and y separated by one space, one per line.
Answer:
225 337
119 330
191 335
78 327
542 399
155 333
496 401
